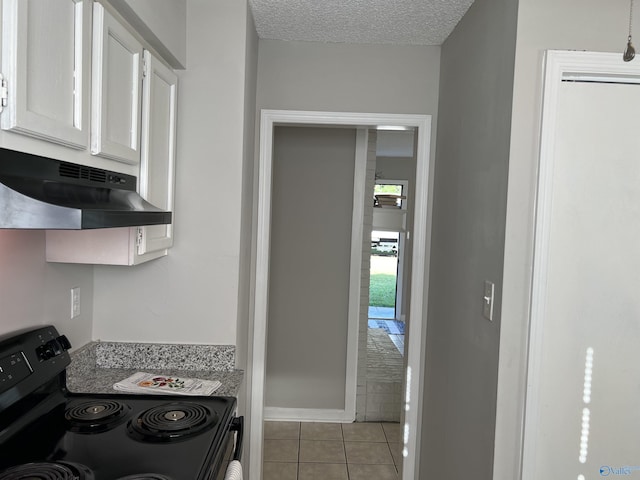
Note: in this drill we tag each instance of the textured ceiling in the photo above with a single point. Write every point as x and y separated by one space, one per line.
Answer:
396 22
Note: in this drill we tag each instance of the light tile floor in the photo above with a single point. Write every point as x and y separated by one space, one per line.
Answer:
331 451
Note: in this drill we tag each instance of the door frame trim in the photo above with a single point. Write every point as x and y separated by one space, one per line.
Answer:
416 338
559 65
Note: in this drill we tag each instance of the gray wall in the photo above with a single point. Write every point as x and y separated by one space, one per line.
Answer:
349 78
33 292
162 23
397 168
343 77
312 201
191 295
542 24
467 243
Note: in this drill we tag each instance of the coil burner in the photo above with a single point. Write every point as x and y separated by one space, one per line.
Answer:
172 421
95 415
48 471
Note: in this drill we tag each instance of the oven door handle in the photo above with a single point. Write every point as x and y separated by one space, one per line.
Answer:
237 425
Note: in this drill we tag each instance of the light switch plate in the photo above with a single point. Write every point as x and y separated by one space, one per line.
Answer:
75 302
487 307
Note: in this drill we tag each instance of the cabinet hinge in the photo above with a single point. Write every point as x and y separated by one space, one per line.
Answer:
139 237
4 92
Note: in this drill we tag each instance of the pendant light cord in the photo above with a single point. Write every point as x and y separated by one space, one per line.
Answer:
630 18
629 52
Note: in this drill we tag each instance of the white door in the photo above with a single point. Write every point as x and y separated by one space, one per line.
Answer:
159 104
115 92
46 57
583 399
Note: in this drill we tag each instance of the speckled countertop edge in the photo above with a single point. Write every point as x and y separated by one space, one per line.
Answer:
93 371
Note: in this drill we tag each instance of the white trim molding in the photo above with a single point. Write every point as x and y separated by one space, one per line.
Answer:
355 276
280 414
415 341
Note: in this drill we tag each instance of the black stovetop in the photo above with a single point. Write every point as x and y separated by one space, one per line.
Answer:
98 436
115 449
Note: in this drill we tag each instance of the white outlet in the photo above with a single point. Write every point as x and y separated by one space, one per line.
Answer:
75 302
487 306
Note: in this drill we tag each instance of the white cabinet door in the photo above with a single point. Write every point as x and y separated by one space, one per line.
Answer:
159 102
115 97
46 52
135 245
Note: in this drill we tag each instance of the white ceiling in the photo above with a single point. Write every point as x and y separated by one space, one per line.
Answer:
394 22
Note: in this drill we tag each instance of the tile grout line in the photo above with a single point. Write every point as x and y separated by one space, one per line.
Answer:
389 447
344 449
299 447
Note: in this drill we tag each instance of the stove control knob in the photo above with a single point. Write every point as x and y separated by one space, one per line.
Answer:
53 348
45 352
64 342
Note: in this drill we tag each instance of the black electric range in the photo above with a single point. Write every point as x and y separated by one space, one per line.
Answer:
49 433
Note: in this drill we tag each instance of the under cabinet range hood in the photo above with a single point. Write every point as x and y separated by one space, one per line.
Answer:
43 193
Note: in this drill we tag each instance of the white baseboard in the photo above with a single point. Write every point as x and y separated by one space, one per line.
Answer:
306 415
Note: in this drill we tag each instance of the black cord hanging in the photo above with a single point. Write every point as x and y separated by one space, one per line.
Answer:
630 52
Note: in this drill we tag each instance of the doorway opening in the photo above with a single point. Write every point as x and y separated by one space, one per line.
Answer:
385 288
383 283
388 258
414 355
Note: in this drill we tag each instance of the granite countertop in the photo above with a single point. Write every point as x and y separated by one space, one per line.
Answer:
98 365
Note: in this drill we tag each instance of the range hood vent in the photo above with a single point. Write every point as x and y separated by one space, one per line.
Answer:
72 170
43 193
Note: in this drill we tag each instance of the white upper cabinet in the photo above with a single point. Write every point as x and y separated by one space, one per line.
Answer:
117 83
46 58
135 245
74 76
159 105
